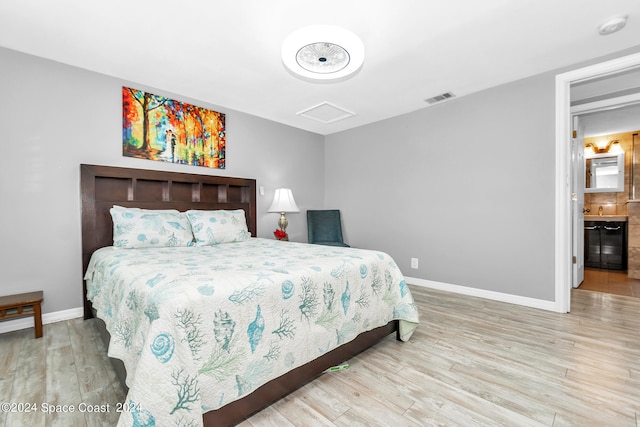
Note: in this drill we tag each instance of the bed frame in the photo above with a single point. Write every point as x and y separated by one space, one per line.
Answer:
102 187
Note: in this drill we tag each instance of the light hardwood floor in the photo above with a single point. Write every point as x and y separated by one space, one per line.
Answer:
471 362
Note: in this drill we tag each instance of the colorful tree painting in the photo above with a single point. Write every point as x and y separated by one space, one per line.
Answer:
158 128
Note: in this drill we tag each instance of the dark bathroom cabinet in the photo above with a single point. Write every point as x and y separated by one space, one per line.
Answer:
605 244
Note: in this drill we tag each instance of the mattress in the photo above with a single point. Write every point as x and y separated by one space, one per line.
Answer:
199 327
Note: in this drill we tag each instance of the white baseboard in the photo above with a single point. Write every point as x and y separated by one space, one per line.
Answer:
482 293
27 321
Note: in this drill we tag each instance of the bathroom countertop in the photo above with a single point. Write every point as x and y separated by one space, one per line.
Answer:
623 218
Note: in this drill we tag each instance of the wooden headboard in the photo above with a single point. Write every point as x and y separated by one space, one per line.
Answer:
101 187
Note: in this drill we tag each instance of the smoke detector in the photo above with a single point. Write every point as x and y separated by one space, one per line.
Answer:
612 25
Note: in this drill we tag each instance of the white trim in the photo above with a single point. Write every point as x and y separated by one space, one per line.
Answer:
27 321
563 196
481 293
563 169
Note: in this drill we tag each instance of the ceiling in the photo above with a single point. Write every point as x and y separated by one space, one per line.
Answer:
613 121
227 53
609 121
621 111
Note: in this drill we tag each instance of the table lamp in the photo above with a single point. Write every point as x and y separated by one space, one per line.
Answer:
283 202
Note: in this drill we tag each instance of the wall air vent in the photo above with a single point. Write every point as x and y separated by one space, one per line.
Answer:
439 98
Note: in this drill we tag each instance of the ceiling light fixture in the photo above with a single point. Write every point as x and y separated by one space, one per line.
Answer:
322 53
612 25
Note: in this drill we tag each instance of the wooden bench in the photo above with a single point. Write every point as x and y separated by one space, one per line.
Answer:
23 305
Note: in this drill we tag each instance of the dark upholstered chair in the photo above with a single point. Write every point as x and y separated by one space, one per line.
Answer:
324 227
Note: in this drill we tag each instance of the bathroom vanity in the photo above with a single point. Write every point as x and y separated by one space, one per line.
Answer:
605 241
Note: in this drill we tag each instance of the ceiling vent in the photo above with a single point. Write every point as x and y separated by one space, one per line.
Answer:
439 98
326 112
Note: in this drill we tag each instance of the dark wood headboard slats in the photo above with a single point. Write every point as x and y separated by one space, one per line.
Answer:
102 187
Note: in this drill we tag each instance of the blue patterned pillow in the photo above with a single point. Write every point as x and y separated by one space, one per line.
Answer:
143 228
215 227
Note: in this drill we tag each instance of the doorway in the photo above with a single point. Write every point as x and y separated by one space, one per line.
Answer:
565 198
601 123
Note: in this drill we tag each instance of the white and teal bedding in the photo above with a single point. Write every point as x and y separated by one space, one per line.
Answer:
199 327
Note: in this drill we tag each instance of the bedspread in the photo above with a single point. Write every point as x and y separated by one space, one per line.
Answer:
199 327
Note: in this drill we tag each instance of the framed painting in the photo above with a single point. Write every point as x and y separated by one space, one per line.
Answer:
163 129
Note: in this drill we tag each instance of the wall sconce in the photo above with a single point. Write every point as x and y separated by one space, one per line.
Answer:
612 146
283 202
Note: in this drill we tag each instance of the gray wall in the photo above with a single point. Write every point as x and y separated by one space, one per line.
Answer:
466 186
54 117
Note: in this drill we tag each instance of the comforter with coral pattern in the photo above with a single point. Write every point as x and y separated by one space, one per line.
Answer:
199 327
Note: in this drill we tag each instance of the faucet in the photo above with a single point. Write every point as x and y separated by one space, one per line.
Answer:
600 211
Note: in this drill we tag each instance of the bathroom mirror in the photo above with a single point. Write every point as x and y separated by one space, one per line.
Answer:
604 173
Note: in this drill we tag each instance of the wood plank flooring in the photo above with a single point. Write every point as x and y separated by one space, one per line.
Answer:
471 362
67 366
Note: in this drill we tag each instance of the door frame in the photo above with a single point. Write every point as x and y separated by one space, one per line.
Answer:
564 265
577 200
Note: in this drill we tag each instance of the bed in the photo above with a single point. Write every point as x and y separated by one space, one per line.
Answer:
232 325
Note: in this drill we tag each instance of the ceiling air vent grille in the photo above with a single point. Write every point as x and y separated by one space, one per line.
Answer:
441 97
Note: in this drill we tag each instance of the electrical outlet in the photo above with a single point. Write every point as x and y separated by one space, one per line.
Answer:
414 263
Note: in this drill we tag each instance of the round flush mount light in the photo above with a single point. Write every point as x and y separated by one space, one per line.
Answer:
322 53
612 25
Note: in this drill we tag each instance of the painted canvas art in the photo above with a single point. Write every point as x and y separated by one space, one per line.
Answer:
159 128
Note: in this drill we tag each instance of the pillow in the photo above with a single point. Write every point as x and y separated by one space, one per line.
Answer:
215 227
143 228
122 208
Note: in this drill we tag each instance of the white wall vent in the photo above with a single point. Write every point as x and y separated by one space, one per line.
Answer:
441 97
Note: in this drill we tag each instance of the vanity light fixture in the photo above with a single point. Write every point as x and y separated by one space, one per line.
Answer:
612 146
322 53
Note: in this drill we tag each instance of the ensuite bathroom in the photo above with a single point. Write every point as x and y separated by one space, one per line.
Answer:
612 202
605 182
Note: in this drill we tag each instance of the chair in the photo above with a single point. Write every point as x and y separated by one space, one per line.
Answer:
324 227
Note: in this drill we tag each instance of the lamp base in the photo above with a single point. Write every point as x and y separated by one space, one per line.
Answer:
282 223
281 234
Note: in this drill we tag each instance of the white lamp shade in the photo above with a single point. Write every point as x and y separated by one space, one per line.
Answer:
283 201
